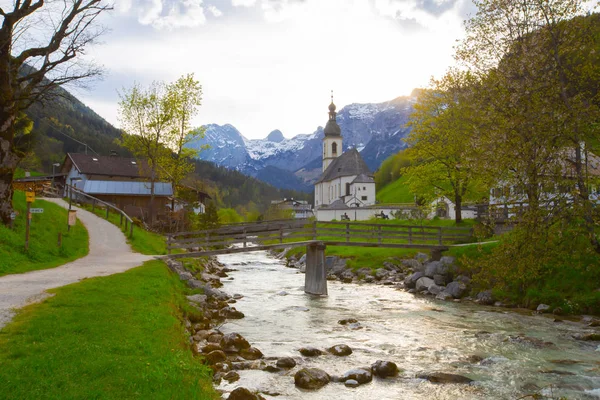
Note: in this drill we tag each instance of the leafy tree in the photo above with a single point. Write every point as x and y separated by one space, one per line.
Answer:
441 140
538 63
146 116
229 216
210 218
40 46
184 97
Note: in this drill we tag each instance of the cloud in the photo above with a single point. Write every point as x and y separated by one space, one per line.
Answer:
167 14
215 11
243 3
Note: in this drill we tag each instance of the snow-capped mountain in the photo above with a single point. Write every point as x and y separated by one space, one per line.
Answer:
376 130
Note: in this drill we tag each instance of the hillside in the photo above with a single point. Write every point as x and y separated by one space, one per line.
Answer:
66 124
395 192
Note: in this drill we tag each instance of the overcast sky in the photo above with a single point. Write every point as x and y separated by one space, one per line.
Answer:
270 64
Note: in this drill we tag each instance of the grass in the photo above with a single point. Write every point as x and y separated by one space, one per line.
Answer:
115 337
396 192
143 241
20 173
43 250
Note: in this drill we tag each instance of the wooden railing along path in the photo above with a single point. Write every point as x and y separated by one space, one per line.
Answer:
294 233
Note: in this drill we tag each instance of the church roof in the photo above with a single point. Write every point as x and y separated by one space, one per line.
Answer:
363 178
348 164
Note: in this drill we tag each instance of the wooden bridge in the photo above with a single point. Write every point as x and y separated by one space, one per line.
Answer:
316 236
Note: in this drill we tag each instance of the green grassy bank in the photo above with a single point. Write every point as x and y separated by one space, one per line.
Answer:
115 337
43 250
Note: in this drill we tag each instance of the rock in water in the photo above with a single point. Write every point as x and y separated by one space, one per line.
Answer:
234 342
361 375
311 378
442 377
242 393
286 362
251 353
231 376
384 369
215 357
340 350
310 352
351 383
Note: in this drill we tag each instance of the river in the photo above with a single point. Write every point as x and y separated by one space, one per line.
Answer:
418 334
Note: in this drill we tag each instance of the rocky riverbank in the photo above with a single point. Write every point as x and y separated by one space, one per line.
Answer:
228 353
422 276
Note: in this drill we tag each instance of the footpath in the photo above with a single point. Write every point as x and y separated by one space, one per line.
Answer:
109 254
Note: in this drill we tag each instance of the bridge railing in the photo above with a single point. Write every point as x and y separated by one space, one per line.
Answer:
334 233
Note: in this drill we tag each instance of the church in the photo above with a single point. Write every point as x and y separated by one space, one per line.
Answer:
346 182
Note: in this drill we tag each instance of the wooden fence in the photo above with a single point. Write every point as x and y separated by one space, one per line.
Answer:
301 232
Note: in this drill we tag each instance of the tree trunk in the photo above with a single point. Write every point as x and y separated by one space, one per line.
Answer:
457 208
151 206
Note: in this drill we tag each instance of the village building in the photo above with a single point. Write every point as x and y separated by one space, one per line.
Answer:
346 182
117 180
301 209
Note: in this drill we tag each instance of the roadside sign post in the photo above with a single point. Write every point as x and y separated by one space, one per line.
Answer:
29 197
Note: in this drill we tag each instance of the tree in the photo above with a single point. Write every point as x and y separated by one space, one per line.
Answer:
184 97
441 140
40 47
539 63
210 218
146 116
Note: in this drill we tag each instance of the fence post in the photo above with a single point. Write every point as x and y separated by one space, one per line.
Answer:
280 234
131 229
169 244
206 235
107 209
347 232
410 235
315 230
245 237
93 205
440 235
121 221
379 234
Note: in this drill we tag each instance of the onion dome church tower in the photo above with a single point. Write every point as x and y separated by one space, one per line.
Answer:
332 142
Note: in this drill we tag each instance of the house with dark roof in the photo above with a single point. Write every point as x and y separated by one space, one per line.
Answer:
346 181
124 182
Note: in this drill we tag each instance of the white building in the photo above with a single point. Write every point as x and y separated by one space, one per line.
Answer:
346 182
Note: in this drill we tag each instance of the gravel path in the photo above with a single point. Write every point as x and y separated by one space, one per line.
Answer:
109 254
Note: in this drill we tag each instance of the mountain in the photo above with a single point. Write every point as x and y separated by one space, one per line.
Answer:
376 130
65 124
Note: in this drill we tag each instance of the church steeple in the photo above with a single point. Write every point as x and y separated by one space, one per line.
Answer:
332 142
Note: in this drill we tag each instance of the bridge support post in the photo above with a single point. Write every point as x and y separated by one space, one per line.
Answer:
436 254
315 278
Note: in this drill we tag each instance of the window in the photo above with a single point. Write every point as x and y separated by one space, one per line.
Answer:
363 198
347 188
334 148
364 188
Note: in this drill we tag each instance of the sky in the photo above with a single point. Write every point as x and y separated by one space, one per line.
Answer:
271 64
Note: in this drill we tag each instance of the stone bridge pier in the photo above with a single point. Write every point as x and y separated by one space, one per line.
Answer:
315 278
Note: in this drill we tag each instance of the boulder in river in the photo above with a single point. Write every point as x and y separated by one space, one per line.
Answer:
435 289
351 383
286 362
242 393
442 377
234 342
423 283
311 378
340 350
310 351
347 321
456 289
411 281
251 353
443 295
361 375
485 298
215 357
231 376
384 369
